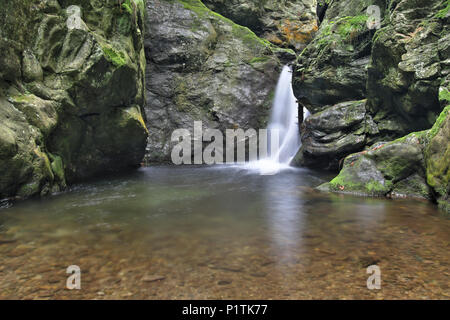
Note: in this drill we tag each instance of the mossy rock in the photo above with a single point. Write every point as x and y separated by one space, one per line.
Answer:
208 69
25 167
379 169
415 186
287 24
437 155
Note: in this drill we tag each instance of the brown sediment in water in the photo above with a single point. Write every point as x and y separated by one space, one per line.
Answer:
201 233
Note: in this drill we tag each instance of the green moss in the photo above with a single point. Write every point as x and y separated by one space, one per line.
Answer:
342 181
116 58
350 25
181 92
437 157
196 6
259 60
25 98
394 168
443 12
421 135
439 122
345 28
57 167
377 35
248 36
444 205
29 189
376 187
444 95
131 6
325 36
124 25
134 114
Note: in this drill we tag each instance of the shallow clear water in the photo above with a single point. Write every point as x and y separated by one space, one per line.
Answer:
222 233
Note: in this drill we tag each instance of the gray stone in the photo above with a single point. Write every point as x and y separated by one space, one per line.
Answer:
203 67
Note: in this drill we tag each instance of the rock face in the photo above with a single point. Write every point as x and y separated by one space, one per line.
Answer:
399 69
333 67
71 92
437 157
328 136
415 166
203 67
385 168
291 24
410 60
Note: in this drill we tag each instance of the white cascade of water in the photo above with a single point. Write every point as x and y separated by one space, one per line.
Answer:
284 119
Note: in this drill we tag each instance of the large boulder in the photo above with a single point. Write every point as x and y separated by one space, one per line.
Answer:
203 67
330 135
291 23
71 90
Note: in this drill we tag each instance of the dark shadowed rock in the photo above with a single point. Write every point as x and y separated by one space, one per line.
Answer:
291 23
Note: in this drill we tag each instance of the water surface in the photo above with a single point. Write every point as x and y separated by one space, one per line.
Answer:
221 233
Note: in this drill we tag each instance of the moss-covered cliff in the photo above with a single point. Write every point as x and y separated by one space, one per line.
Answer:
204 67
290 24
402 71
71 92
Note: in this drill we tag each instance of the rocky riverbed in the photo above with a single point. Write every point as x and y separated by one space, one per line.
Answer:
153 236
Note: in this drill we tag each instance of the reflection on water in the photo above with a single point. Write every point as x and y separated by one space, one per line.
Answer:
284 216
221 232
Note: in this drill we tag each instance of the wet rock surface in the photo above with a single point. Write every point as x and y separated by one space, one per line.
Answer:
203 67
416 165
437 157
409 62
71 92
290 24
333 67
328 136
401 69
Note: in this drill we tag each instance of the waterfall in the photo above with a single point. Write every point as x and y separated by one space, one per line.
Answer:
284 120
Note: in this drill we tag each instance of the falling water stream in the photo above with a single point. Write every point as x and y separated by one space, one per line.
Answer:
284 124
